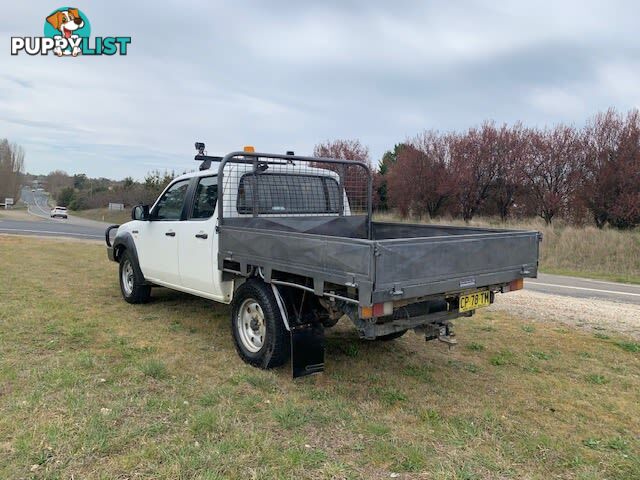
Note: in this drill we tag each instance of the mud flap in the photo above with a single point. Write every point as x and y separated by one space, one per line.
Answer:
307 350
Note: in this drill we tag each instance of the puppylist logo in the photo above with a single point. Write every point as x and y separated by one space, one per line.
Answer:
67 33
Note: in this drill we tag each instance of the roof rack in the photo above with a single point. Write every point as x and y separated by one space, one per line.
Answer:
201 156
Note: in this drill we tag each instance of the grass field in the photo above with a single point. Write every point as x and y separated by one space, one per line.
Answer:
91 387
20 207
105 215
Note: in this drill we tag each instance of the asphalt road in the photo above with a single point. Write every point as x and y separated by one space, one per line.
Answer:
42 224
76 227
584 288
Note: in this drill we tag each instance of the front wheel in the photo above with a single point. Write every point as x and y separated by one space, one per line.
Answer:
132 285
259 334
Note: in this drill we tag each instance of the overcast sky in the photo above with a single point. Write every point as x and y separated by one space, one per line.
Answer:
284 75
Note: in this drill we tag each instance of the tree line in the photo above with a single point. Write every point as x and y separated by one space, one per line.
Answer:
588 174
79 192
11 170
583 175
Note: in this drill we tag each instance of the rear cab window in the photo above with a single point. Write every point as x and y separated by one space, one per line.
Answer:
280 193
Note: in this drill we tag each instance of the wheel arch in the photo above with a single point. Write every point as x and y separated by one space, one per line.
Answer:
125 242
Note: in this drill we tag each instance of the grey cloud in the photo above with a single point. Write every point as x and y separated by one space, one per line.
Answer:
285 75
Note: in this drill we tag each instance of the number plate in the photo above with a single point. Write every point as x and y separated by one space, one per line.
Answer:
474 300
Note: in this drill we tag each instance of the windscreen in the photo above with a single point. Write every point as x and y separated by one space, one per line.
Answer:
276 193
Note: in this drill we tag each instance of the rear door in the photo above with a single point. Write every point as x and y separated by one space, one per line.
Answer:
198 245
157 239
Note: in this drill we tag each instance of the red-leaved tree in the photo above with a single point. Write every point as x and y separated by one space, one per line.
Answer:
354 178
552 171
419 180
512 151
611 175
475 165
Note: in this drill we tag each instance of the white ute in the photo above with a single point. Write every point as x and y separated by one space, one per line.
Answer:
290 243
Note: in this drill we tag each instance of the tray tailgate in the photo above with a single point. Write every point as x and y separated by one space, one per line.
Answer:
424 266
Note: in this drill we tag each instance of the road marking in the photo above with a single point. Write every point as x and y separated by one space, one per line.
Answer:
582 279
37 214
50 232
38 205
585 288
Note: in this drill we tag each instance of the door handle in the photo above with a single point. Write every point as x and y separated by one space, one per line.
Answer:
202 235
170 234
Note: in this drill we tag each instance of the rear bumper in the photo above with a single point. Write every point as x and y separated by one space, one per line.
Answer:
370 330
454 286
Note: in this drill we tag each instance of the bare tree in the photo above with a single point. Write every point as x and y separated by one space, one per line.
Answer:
512 150
419 180
11 169
57 180
552 169
611 175
475 165
352 177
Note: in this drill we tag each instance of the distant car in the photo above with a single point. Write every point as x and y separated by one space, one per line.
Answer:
59 212
33 189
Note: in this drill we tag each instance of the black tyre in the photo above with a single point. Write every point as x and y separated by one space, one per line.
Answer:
132 284
259 334
391 336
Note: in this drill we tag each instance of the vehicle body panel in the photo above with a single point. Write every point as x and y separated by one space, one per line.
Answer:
158 252
410 268
197 258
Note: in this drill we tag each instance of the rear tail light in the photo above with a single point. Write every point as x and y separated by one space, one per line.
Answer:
377 310
516 285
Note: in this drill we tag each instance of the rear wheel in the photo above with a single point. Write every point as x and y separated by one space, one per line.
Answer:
259 334
132 284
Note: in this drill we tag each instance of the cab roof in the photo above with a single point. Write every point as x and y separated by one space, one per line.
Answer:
241 168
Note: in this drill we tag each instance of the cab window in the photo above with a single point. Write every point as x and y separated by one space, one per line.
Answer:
206 196
282 193
169 207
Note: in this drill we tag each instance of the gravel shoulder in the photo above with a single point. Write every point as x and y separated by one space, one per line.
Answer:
586 313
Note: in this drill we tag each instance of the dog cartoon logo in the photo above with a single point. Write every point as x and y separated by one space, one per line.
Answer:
67 33
69 24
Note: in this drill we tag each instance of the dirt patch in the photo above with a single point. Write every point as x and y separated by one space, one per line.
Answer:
590 314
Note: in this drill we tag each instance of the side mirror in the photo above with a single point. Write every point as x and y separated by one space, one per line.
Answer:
140 212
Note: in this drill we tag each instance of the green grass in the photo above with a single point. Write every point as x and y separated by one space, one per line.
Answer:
92 387
629 346
596 379
154 369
